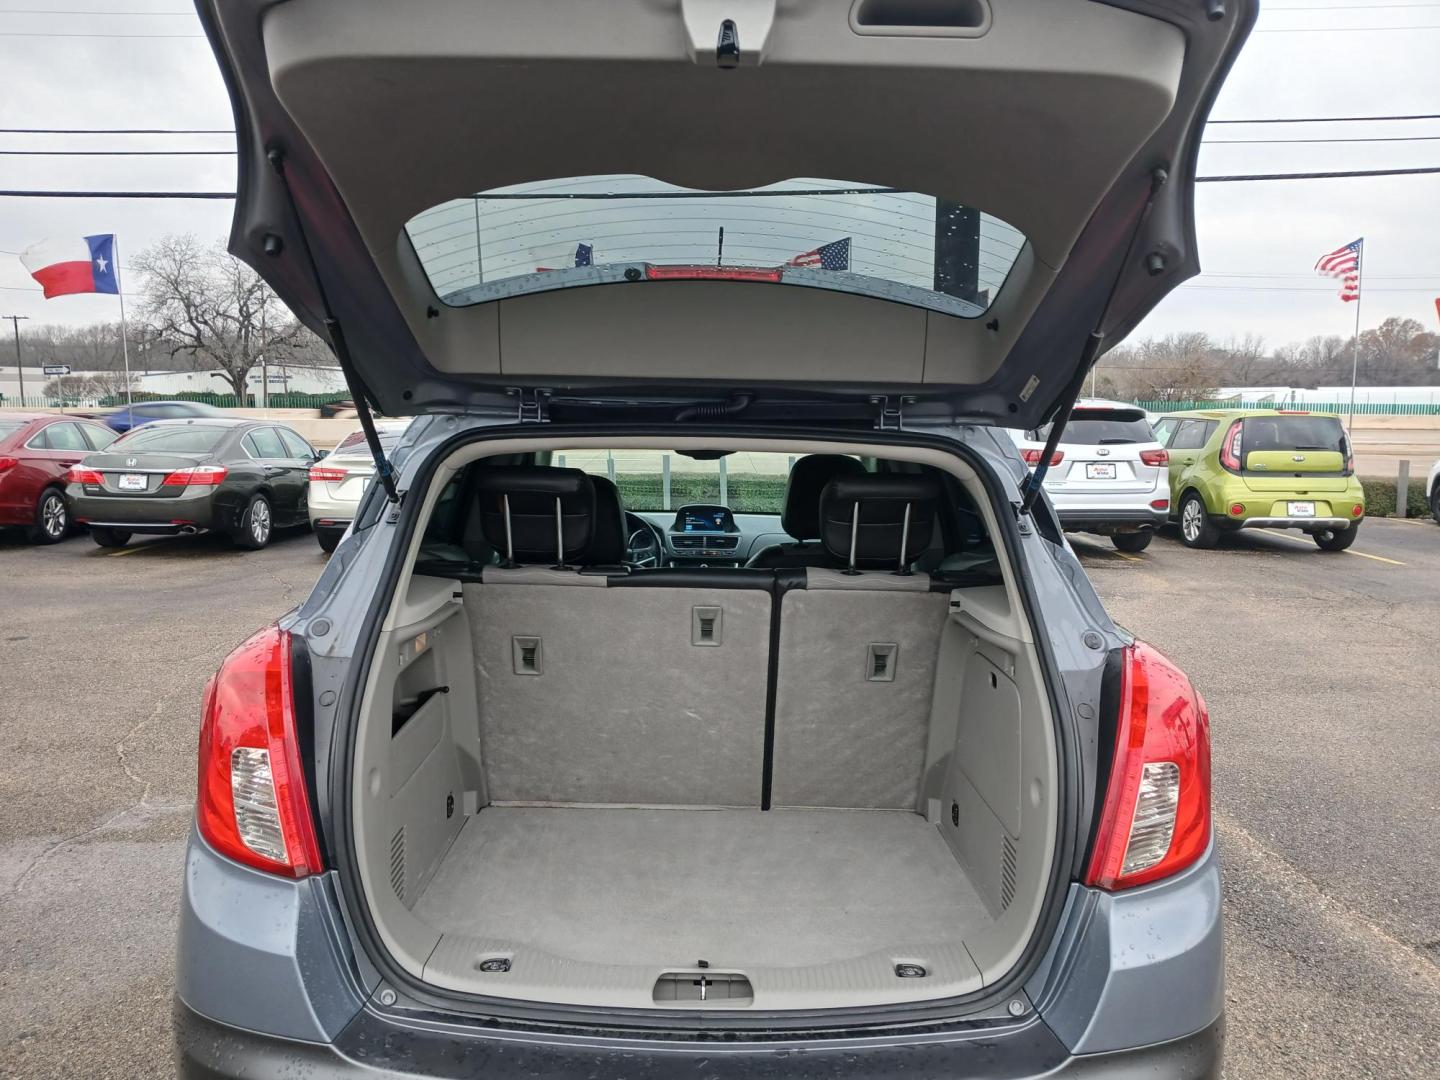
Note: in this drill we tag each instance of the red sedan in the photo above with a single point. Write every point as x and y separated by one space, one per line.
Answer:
35 451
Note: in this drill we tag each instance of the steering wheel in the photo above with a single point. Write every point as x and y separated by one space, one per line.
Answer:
642 546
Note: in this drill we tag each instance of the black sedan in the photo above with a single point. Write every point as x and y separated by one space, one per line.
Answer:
244 478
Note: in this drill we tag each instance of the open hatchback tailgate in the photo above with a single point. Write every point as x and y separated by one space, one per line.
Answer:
942 200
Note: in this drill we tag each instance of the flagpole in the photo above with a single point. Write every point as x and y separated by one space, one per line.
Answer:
1355 350
124 335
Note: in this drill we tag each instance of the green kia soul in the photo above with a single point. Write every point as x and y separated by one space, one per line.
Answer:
1262 469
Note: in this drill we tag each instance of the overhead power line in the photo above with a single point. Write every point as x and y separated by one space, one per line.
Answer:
117 153
1338 175
1288 142
117 131
11 193
36 34
1327 119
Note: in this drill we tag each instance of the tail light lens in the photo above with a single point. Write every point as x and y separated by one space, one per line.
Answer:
1032 457
78 474
329 474
1156 817
252 805
1230 448
1160 504
199 476
1155 457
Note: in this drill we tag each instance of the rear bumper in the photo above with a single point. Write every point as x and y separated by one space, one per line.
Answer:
197 511
376 1049
1310 523
1127 519
266 985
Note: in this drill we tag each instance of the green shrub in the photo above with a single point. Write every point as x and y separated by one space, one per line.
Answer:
1380 498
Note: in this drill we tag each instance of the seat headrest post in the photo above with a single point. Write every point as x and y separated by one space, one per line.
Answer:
854 537
509 536
903 569
559 538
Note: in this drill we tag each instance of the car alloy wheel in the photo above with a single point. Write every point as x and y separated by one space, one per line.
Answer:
260 522
1190 523
54 519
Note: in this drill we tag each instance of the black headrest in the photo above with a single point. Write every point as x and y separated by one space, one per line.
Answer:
882 499
532 492
800 516
608 545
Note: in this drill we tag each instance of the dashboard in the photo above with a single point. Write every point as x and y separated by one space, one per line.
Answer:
705 534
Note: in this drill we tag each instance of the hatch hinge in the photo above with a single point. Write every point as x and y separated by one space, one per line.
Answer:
532 405
359 393
890 412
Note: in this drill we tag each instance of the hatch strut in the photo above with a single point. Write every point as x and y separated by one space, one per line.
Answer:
384 471
1031 485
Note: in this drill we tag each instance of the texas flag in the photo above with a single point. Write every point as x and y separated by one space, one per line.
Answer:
73 266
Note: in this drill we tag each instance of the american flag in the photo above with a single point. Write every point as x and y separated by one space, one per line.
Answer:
584 256
831 256
1343 264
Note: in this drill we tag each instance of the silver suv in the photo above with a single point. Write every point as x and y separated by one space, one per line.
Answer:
1107 475
703 684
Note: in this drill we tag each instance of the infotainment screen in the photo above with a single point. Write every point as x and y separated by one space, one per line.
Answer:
703 519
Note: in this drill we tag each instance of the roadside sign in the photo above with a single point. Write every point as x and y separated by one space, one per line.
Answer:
57 369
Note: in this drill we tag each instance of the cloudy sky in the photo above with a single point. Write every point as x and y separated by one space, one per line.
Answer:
112 64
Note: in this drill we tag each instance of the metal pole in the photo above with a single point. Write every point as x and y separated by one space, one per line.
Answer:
1355 352
19 362
665 482
124 336
724 484
1402 490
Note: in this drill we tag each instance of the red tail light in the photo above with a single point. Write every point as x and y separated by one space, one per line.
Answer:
1032 457
329 474
199 476
1155 457
712 273
1230 448
77 474
252 804
1156 817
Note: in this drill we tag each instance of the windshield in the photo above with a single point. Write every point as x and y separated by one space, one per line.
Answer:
746 482
830 234
1099 432
1293 433
189 439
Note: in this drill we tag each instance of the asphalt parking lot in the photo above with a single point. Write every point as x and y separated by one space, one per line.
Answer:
1319 670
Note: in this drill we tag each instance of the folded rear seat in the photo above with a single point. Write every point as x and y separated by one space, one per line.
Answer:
593 691
857 652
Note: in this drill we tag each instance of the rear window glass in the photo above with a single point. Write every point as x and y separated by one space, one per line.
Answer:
1099 432
1293 433
354 443
829 234
179 440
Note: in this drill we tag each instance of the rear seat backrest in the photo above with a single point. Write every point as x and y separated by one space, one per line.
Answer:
632 689
857 653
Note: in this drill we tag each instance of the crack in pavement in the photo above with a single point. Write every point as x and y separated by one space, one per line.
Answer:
143 802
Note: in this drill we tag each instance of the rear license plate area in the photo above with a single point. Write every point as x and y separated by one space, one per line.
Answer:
1302 509
1099 470
132 482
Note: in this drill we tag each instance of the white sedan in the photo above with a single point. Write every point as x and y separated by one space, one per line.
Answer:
338 480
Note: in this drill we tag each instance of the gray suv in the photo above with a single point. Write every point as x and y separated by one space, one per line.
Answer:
704 684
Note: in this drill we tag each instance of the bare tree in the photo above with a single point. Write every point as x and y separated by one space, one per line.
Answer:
205 303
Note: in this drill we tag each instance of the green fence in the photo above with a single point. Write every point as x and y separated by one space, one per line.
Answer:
1362 408
744 493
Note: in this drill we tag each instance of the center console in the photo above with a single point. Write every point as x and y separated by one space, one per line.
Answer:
703 532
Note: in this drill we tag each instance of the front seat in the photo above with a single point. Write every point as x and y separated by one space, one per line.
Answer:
800 517
609 544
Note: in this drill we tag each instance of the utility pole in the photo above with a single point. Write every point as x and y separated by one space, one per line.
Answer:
19 363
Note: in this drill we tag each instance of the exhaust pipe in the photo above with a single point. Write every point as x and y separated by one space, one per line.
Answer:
188 530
